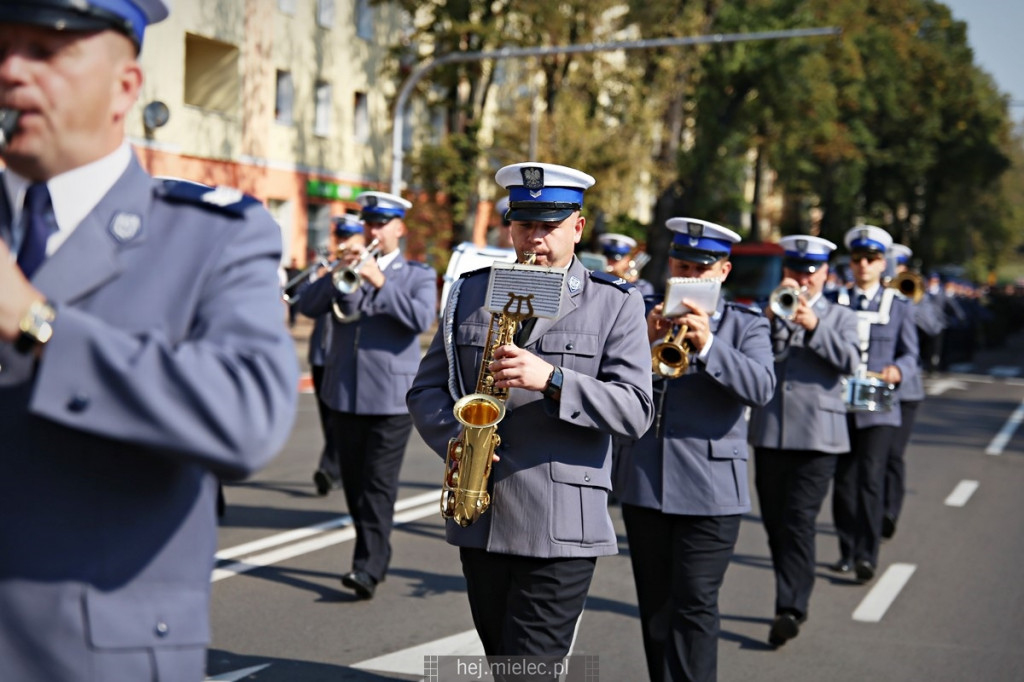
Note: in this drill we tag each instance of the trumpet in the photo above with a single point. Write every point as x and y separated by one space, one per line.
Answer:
321 262
784 301
8 124
347 279
670 356
909 284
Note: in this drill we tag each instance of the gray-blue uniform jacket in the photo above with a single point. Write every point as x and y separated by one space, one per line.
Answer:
550 488
170 362
697 463
807 410
892 343
374 353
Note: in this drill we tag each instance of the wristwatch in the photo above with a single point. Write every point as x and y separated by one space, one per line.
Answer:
36 327
553 389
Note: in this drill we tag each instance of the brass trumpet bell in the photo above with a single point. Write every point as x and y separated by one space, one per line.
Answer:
784 301
670 356
909 284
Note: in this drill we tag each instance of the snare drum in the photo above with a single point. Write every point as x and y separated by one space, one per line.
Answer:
867 394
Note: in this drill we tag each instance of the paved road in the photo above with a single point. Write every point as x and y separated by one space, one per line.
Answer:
948 605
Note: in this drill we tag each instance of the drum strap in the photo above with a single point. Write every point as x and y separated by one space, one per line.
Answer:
455 387
866 318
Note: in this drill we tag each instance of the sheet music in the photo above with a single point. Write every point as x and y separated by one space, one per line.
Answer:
702 292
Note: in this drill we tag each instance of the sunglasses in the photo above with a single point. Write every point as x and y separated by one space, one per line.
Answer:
869 257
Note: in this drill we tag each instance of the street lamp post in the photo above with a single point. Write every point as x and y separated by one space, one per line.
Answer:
515 52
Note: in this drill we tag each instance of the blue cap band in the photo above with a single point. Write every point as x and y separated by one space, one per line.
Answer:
617 248
685 241
866 245
371 212
565 195
129 10
796 255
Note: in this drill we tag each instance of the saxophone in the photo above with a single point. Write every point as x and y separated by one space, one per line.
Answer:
467 467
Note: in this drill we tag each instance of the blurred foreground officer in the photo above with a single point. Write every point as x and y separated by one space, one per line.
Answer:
684 483
930 321
347 233
798 435
622 254
143 354
574 381
887 339
370 365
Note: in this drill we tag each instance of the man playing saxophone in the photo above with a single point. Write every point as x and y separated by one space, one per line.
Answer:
572 381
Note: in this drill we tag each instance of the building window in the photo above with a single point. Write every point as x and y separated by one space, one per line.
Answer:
361 132
284 98
212 80
286 7
364 19
325 13
322 123
318 228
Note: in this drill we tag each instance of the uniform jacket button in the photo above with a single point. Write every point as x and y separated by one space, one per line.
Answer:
568 346
586 478
78 402
162 629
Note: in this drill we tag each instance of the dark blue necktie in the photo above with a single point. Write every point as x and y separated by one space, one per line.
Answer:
38 213
862 302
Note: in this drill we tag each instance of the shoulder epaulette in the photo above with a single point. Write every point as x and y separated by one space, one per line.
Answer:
470 273
227 200
608 278
751 309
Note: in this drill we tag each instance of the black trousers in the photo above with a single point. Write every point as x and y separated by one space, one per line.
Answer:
525 606
370 462
679 565
328 457
791 487
857 496
895 465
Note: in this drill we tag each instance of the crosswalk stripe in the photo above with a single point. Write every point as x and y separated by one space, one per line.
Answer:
1004 435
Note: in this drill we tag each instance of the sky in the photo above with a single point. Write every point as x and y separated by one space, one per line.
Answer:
994 29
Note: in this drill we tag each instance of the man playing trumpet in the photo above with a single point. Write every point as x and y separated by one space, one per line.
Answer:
798 435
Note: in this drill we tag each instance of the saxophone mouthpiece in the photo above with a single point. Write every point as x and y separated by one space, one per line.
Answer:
529 257
8 124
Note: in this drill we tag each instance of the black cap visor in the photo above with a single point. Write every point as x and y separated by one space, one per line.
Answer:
696 255
540 211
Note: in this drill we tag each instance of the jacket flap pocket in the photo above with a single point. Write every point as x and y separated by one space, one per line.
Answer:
575 474
471 335
728 449
831 403
142 618
569 342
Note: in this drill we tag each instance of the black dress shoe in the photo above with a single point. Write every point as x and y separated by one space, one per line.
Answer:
361 582
841 566
888 526
323 482
785 627
864 571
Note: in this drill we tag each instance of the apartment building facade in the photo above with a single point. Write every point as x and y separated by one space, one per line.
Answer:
285 99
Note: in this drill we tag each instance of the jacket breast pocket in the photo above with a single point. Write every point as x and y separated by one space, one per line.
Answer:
570 349
579 504
137 618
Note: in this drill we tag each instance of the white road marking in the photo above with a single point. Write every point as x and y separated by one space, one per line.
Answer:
249 563
1004 435
961 493
299 533
236 675
410 661
884 593
940 386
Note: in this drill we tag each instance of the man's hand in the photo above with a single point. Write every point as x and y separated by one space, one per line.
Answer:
515 367
17 297
891 374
